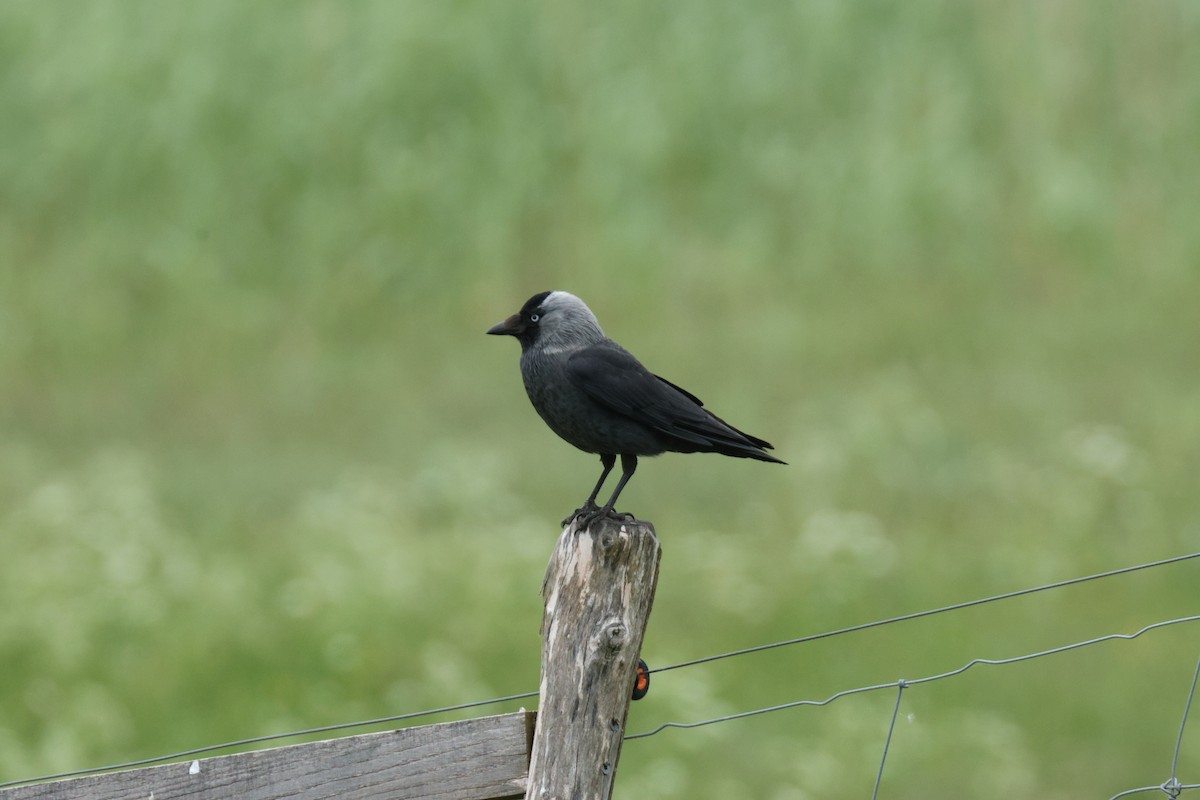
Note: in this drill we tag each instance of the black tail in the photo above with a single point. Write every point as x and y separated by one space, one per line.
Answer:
711 434
727 440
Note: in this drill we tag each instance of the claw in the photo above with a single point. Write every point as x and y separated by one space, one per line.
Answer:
586 508
586 518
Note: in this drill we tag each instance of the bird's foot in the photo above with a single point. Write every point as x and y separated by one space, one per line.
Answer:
586 519
586 508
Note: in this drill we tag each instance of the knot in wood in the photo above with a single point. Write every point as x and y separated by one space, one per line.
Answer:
614 635
610 539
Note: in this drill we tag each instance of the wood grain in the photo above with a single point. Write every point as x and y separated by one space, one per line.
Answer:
476 759
598 592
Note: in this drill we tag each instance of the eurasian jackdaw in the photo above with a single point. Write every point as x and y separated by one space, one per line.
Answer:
598 397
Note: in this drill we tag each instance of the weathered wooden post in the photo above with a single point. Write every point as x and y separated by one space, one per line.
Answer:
598 591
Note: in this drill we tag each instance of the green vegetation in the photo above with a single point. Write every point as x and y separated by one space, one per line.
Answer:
260 469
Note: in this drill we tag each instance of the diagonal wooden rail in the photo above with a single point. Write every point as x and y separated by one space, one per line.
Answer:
475 759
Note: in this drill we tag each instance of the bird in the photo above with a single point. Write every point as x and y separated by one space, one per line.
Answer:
598 397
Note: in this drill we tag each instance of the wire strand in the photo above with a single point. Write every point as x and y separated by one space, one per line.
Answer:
887 743
1170 789
918 614
916 681
1187 706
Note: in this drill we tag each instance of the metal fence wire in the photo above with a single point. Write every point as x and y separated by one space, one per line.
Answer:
1172 786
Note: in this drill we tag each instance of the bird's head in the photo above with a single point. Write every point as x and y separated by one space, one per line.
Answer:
552 321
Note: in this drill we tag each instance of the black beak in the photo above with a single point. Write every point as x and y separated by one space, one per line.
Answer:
510 327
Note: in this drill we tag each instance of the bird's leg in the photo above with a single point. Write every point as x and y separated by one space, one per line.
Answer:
608 460
628 466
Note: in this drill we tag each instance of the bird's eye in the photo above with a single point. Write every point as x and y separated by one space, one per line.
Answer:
534 317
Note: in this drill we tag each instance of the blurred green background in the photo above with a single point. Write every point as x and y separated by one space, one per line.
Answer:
260 468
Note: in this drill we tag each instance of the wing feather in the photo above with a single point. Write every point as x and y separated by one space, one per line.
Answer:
612 377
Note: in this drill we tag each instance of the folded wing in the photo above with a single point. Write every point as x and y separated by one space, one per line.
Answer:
612 377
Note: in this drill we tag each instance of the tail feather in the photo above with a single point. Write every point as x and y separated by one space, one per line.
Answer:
727 440
712 434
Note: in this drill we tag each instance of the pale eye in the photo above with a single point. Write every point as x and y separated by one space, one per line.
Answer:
534 317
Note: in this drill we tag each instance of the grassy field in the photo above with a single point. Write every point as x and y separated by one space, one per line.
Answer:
260 469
